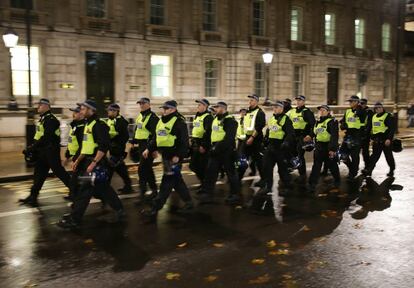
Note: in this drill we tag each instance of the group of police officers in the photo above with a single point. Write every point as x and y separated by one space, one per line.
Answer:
219 143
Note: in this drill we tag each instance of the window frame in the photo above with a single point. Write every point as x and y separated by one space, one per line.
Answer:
26 70
164 12
387 49
303 82
106 10
218 78
331 29
299 36
260 30
206 13
362 39
171 76
262 87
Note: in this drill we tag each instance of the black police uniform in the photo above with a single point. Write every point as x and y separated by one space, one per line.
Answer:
47 149
354 145
365 138
146 176
222 155
378 145
298 151
276 151
77 127
198 162
117 151
104 191
255 150
321 153
169 181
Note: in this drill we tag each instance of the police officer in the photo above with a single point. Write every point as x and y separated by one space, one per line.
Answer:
351 123
287 106
382 134
222 155
279 134
200 142
118 132
303 121
254 122
172 141
146 124
47 147
95 145
365 133
241 137
325 134
75 145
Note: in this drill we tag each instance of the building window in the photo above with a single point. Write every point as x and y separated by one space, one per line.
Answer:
388 78
330 27
259 79
20 70
209 15
96 8
258 17
161 80
21 4
362 79
211 77
359 33
386 37
157 12
298 80
296 22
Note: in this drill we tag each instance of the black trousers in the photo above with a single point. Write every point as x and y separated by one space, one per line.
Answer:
49 159
103 191
354 158
297 151
122 171
223 161
255 154
365 151
168 184
198 162
377 148
146 176
321 156
275 155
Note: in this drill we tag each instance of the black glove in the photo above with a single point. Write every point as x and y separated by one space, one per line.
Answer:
343 126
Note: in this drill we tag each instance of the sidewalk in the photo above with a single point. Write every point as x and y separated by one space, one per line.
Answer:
13 166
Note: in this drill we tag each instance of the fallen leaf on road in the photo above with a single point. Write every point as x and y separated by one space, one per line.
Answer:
329 213
290 284
279 252
283 263
210 278
357 226
88 241
173 276
287 276
260 280
322 195
306 228
156 262
182 245
271 244
361 263
285 245
238 207
258 261
218 245
312 265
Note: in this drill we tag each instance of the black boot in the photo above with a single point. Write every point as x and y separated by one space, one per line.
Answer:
67 222
30 201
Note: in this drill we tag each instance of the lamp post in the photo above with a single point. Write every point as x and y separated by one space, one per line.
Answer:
267 59
10 39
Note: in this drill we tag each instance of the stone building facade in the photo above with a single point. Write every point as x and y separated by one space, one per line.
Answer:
213 48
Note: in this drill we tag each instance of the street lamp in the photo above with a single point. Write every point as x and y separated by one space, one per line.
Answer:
267 59
10 39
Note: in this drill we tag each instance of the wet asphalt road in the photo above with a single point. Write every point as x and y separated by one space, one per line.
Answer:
361 235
